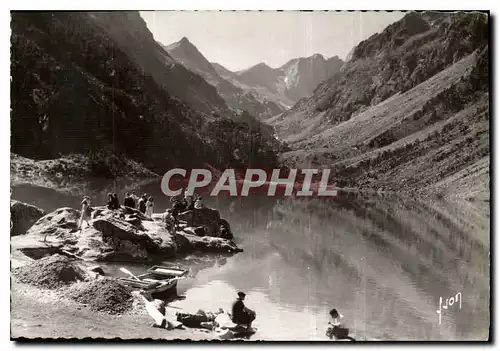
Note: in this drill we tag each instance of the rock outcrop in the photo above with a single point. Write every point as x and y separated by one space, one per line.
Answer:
23 216
207 218
123 235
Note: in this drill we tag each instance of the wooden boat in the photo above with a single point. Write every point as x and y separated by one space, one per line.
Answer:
158 281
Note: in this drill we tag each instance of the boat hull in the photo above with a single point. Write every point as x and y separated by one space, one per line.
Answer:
158 282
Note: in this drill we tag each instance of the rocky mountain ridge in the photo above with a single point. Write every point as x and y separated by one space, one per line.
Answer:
408 111
287 84
188 55
97 84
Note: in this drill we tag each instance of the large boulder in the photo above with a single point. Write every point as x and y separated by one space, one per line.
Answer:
112 236
93 245
208 218
166 245
60 226
109 237
23 216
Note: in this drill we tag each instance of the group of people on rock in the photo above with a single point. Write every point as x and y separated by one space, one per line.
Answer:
145 205
187 203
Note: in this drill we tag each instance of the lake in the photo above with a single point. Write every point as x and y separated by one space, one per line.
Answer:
383 261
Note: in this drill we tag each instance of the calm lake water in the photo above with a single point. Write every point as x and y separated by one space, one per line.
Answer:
383 262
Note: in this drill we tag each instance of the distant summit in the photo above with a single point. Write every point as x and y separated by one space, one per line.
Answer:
294 80
189 56
186 53
276 88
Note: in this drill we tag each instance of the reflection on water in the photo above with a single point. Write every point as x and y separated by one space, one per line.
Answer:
383 262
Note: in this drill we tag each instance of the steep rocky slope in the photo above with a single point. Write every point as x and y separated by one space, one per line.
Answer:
409 110
186 53
98 84
287 84
130 34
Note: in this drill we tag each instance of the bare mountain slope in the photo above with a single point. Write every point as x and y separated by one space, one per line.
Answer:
402 129
287 84
130 34
405 54
186 53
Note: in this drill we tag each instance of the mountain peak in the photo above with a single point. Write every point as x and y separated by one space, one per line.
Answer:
318 56
261 65
188 54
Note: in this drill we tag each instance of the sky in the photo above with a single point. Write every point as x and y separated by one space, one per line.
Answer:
240 39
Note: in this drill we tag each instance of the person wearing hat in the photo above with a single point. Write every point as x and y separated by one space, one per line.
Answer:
85 216
240 313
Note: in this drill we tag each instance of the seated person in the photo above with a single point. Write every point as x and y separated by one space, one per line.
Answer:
335 317
240 313
336 329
